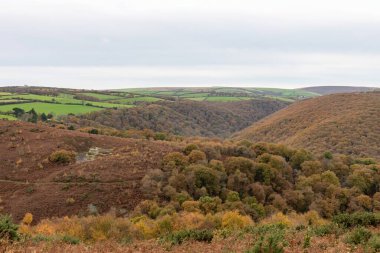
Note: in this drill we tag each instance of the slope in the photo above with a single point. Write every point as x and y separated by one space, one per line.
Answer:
342 123
30 183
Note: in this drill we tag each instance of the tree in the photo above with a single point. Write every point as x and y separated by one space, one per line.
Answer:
33 116
242 164
18 112
43 117
197 156
206 177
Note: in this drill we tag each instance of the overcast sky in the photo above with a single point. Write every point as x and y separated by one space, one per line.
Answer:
104 44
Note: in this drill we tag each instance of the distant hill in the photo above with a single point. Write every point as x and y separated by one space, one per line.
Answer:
188 118
325 90
342 123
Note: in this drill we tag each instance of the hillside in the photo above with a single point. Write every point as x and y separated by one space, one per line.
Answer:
30 183
342 123
189 118
326 90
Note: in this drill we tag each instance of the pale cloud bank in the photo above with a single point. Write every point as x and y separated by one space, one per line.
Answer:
122 43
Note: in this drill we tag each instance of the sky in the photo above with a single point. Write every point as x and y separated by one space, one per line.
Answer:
103 44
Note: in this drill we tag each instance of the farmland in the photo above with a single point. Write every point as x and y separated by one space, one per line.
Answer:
59 102
225 94
58 109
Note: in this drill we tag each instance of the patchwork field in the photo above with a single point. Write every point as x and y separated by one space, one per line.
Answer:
55 109
225 94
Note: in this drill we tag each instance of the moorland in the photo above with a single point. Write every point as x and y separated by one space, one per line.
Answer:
189 170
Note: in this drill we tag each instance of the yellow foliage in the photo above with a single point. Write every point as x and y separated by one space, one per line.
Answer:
278 218
25 229
191 206
28 218
145 228
45 227
188 220
233 220
313 218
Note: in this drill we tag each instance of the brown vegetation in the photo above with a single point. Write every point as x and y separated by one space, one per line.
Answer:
339 123
187 118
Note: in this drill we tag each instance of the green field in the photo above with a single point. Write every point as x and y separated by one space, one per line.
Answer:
55 109
226 99
100 96
59 99
8 117
136 99
225 94
289 93
197 99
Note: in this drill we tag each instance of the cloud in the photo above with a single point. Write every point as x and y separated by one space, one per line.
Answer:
281 70
272 42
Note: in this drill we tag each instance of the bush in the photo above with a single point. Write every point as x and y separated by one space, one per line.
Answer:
233 220
175 159
62 157
327 229
187 150
357 219
271 240
93 131
184 235
358 236
8 230
70 240
197 156
374 243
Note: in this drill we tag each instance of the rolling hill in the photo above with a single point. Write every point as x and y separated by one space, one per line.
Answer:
341 123
326 90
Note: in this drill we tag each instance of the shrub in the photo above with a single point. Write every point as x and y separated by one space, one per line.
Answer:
358 236
357 219
374 243
187 150
160 136
326 229
233 220
191 206
196 235
271 240
62 157
175 159
8 230
209 204
70 240
28 218
93 131
149 208
197 156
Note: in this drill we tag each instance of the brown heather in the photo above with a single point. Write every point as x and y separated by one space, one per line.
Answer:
340 123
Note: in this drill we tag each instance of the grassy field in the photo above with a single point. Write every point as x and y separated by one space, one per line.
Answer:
225 94
136 99
60 99
5 93
226 99
62 104
8 117
104 97
55 109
